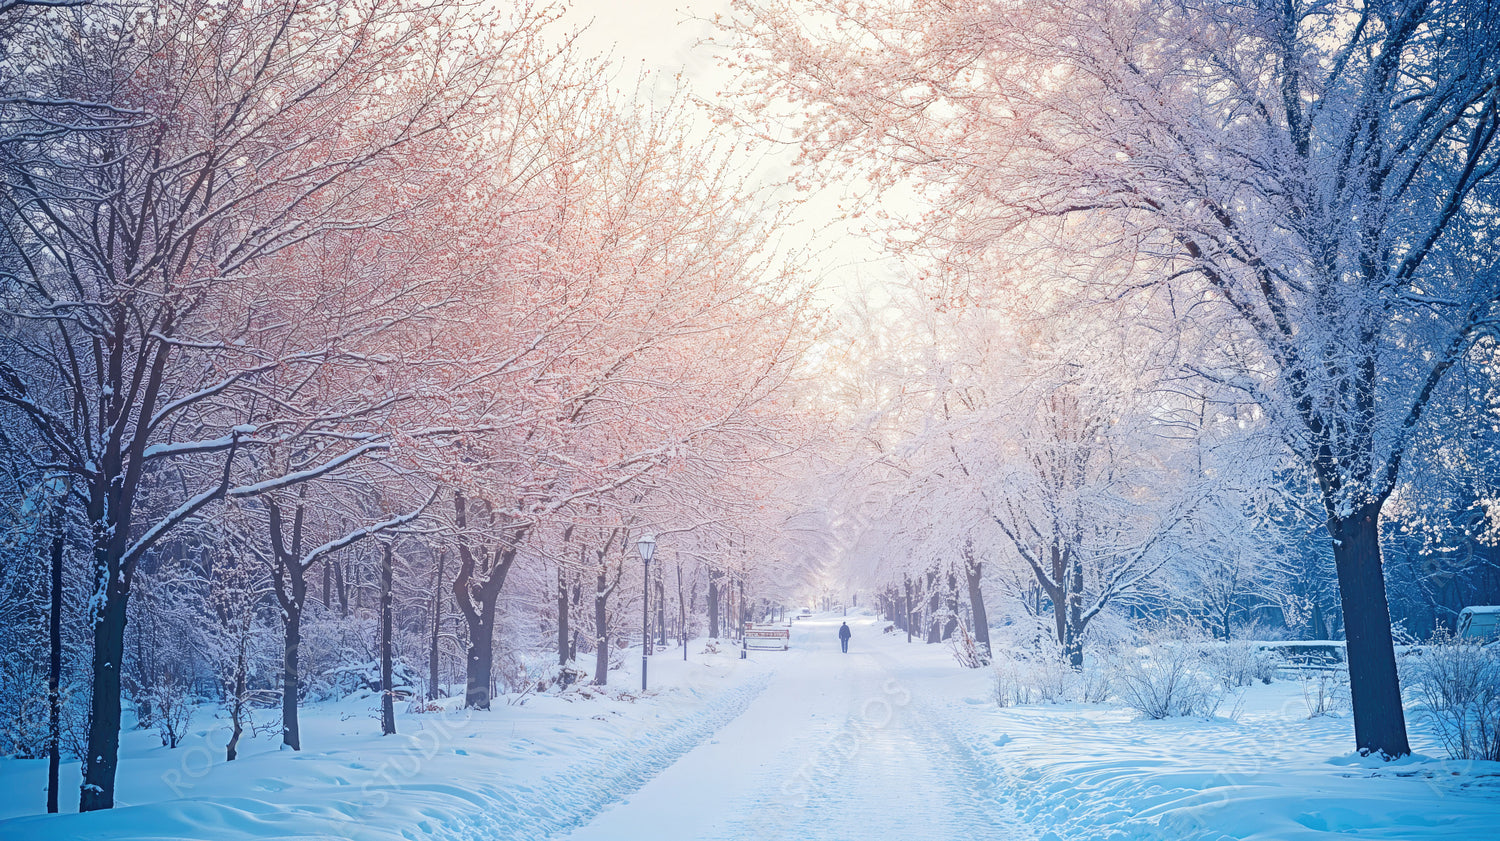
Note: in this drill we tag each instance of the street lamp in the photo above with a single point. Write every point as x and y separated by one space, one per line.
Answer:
647 547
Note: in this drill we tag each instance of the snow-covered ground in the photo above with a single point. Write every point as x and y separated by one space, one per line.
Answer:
892 740
516 772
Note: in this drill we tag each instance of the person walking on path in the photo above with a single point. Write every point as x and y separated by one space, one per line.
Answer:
844 634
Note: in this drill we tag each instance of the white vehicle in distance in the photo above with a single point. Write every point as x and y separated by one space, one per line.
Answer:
803 613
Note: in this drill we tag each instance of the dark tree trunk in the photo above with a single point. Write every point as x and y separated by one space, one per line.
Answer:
908 607
1059 601
434 680
951 625
973 574
934 604
479 665
387 672
601 631
1374 689
577 597
341 587
661 611
104 727
289 581
328 586
291 732
54 663
477 590
682 629
237 705
1073 646
562 619
713 605
112 495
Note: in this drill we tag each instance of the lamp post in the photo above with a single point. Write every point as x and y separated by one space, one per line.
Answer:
647 547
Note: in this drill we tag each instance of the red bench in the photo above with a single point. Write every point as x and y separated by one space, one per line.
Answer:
768 638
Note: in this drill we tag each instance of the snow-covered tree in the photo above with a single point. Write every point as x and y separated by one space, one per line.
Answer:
1307 181
157 157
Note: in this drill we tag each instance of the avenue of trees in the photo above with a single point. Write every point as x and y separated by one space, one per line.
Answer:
1297 199
355 344
323 316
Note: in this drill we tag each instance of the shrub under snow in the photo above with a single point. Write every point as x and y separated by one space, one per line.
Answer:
1167 679
1046 678
1238 663
1457 686
1042 677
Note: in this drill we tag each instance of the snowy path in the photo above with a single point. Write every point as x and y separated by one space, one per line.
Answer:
836 746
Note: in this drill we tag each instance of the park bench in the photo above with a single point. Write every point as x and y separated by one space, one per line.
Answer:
768 637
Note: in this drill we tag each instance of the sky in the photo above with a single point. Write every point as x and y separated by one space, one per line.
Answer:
656 32
666 36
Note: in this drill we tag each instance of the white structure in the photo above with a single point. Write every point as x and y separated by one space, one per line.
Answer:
1479 622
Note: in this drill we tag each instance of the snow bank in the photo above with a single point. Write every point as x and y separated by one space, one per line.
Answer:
1269 772
516 772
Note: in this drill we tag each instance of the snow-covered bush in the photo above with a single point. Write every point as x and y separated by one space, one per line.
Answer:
1240 663
1325 692
357 677
1096 681
339 655
1053 679
1166 678
522 673
1457 686
1010 688
1041 677
172 709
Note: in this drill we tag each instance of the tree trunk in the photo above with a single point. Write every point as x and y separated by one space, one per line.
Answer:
744 612
1073 647
1317 625
1059 601
682 629
951 625
341 587
98 790
934 627
973 573
562 619
713 605
601 631
434 680
387 676
477 590
576 598
1374 688
479 665
908 607
291 733
54 663
237 704
661 611
289 580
